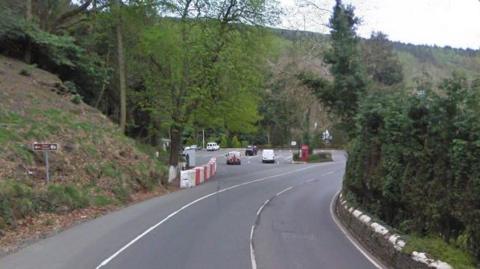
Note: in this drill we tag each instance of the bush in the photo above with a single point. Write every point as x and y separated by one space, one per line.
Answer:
101 200
121 193
17 200
65 197
414 161
224 141
320 157
25 72
76 99
71 86
235 143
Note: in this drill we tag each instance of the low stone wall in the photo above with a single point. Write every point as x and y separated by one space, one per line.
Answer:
379 240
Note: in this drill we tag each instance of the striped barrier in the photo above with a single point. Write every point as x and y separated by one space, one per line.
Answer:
206 171
187 179
198 175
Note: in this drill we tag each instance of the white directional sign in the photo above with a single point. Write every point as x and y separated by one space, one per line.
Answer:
45 147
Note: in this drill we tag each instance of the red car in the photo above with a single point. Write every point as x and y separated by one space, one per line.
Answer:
233 157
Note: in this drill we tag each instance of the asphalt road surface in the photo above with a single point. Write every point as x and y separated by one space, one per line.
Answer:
249 216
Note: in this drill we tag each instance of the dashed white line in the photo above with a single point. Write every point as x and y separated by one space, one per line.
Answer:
285 190
252 253
252 230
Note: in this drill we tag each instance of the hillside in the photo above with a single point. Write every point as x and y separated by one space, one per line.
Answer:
417 60
96 167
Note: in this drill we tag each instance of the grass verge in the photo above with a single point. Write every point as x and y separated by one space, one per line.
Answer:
439 249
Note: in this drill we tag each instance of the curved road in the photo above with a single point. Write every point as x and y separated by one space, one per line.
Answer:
253 215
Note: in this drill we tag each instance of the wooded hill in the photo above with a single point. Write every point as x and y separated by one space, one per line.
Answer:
418 61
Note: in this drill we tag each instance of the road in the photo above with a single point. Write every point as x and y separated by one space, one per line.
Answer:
249 216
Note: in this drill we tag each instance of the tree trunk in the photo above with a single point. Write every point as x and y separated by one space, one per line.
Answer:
175 144
175 147
121 67
28 18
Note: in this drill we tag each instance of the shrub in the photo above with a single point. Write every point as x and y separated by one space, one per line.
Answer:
320 157
65 197
76 99
235 143
414 161
121 193
71 86
224 141
17 200
25 72
101 200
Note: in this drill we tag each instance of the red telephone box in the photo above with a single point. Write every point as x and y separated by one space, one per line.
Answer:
304 150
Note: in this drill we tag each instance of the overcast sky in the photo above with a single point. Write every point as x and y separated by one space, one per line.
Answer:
455 23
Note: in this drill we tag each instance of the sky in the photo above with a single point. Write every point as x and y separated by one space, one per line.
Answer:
454 23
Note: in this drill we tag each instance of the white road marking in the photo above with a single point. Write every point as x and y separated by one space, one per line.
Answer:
109 259
285 190
252 230
348 236
264 204
252 252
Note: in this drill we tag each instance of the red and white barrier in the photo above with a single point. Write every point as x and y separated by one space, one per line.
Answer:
198 175
187 179
206 170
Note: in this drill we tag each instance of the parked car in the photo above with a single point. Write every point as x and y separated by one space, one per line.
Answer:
268 156
233 157
212 146
195 147
251 150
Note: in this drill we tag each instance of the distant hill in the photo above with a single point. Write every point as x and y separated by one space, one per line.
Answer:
438 62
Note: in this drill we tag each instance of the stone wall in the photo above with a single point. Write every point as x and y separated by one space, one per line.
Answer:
379 240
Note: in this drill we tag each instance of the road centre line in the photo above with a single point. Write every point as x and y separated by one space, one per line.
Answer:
171 215
259 211
252 230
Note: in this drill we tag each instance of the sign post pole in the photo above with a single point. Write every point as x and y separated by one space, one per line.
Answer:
45 147
47 168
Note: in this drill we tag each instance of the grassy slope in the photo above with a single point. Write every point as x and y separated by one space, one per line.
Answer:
95 166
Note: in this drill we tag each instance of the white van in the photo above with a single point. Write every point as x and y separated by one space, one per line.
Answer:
212 146
268 156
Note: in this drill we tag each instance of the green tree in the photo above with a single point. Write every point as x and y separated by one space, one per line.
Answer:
381 62
204 71
224 141
122 84
350 82
235 143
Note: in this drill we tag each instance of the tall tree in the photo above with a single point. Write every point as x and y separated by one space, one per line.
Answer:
205 66
381 62
28 18
349 77
122 85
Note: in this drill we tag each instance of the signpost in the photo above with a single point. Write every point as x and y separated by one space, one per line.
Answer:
45 147
327 137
